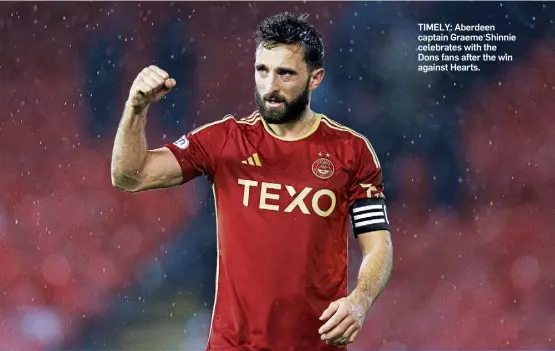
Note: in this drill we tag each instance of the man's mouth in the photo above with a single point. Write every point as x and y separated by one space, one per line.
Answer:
274 102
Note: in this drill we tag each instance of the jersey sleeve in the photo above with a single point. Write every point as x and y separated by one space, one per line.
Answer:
366 199
198 151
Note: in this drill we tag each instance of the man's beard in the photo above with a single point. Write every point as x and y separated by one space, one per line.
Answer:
290 111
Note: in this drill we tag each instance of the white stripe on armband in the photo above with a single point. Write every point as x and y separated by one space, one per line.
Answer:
369 215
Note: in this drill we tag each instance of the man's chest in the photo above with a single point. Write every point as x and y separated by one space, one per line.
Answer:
297 177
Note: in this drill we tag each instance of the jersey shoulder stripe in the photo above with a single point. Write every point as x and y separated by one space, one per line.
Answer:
251 119
337 126
208 125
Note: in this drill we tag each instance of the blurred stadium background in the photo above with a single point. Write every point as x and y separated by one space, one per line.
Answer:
469 168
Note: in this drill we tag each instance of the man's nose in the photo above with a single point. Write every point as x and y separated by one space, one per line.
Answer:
273 83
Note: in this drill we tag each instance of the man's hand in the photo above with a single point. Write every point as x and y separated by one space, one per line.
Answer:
347 316
150 86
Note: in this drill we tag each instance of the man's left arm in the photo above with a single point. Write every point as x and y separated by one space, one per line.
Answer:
371 227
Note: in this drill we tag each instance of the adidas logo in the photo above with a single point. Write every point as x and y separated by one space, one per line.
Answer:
253 160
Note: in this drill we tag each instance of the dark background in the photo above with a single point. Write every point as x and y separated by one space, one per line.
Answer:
468 157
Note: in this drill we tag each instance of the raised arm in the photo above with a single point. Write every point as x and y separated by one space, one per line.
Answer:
134 167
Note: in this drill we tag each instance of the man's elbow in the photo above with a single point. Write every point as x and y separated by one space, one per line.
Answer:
124 183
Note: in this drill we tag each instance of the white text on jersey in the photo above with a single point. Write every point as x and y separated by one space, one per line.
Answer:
297 198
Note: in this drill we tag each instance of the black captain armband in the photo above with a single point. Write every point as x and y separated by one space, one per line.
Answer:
368 215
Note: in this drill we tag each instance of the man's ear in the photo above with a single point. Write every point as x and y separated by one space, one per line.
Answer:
316 78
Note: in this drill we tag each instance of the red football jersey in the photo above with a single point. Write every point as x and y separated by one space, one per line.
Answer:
282 211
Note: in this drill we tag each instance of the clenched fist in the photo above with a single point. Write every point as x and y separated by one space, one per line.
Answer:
150 86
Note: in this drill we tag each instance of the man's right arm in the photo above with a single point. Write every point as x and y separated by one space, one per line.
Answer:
134 167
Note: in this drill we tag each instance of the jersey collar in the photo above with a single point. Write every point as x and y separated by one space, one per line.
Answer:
317 119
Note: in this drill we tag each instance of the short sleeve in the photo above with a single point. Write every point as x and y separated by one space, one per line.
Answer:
198 151
366 198
367 175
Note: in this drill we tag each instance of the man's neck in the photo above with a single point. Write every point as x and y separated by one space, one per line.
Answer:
294 130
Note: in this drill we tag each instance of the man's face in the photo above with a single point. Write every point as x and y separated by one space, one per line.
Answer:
282 83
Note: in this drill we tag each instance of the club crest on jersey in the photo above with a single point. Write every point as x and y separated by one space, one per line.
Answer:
323 168
182 143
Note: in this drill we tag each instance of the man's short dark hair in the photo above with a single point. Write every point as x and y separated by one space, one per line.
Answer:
290 29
